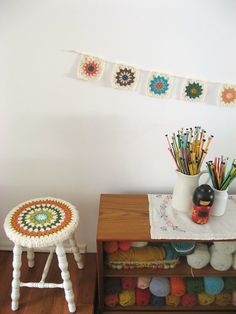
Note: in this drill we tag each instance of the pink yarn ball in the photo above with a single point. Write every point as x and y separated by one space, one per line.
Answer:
189 300
124 245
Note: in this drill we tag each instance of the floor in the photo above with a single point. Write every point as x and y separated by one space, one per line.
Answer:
48 301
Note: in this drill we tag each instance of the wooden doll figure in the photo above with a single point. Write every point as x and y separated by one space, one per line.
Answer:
203 198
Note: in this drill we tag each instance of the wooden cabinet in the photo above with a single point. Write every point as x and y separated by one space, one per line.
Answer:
126 218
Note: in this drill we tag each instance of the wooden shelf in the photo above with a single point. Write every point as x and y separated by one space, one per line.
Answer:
211 307
181 270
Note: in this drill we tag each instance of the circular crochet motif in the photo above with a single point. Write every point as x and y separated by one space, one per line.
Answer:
228 95
91 68
125 77
40 219
193 90
158 85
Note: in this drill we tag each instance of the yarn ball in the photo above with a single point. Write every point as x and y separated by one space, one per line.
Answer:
142 296
112 285
234 261
200 257
195 285
170 251
143 282
189 300
230 284
234 298
183 248
225 247
111 300
177 286
110 247
220 261
139 244
223 299
128 283
205 298
157 301
160 286
172 300
213 285
124 245
127 298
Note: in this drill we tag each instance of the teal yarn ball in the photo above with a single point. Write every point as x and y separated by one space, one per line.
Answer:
157 301
213 285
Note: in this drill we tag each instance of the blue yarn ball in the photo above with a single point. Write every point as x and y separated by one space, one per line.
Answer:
213 285
159 286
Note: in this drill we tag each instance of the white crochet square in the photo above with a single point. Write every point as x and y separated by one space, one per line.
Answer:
90 68
125 77
227 95
193 90
159 85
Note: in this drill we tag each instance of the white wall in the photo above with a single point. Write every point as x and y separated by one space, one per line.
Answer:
74 140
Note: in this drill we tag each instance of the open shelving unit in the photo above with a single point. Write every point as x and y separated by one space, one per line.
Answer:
124 217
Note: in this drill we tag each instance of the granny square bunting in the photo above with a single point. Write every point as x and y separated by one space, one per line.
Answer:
124 77
159 85
90 68
227 95
193 90
154 83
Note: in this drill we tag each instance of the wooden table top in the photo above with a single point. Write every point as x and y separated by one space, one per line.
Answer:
123 217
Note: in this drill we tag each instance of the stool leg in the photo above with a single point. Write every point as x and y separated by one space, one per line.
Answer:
63 264
76 252
15 294
30 257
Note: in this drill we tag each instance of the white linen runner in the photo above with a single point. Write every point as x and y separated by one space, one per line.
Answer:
167 223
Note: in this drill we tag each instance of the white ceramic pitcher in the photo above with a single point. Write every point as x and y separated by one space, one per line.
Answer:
183 190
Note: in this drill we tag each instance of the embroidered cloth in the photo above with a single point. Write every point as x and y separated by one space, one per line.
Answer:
167 223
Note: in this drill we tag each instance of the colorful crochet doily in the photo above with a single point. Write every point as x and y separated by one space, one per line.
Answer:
41 222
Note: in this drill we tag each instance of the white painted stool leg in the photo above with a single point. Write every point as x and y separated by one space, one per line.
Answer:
62 260
76 252
47 265
15 293
30 257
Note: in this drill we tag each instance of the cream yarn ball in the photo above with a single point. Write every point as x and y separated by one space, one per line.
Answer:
200 257
220 261
225 247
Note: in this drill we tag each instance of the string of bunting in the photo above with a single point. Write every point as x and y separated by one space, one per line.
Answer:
154 83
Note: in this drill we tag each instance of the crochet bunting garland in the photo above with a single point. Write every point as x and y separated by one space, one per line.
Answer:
154 84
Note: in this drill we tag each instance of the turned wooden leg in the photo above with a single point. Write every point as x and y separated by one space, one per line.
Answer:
76 252
15 293
30 257
63 265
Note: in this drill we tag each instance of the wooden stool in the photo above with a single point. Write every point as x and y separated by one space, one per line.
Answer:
41 223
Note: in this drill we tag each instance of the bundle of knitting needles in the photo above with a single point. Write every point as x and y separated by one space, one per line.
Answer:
189 147
220 177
